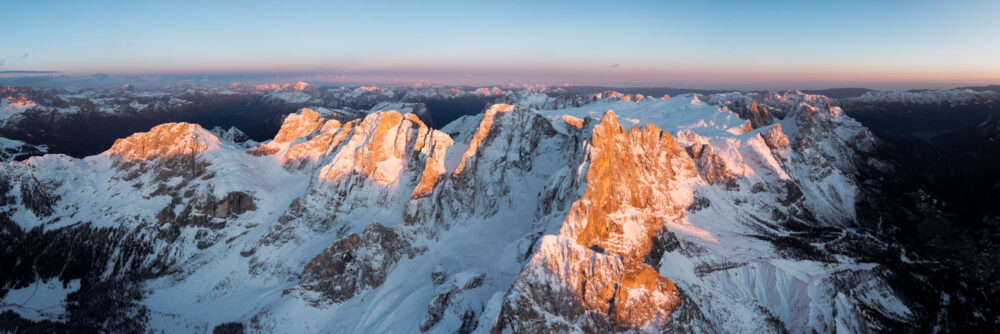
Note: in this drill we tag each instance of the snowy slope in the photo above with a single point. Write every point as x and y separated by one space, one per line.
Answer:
11 150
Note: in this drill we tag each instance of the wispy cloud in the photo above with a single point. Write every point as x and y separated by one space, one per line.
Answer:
27 72
613 66
24 56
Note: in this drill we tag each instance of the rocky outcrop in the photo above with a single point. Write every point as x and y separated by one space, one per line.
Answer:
234 136
710 166
234 204
356 263
447 298
568 287
775 137
757 114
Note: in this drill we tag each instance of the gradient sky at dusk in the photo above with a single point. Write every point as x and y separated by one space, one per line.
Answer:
711 44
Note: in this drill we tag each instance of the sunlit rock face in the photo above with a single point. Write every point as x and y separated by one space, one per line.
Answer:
490 91
298 125
569 287
775 137
163 141
592 274
627 170
593 213
380 148
298 86
384 144
19 102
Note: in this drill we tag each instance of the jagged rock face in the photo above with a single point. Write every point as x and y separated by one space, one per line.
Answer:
356 263
385 160
569 287
775 137
758 115
628 169
378 148
710 166
616 96
299 156
383 144
504 144
593 275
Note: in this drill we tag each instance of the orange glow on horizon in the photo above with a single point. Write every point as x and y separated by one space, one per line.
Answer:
696 75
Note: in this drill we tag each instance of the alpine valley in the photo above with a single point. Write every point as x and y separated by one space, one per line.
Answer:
517 209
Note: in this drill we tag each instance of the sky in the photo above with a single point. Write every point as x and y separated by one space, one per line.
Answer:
697 44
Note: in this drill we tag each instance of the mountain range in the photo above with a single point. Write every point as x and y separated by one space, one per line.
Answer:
298 208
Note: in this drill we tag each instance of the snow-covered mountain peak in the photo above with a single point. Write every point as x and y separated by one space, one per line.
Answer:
385 145
19 102
268 87
298 86
298 125
952 96
164 140
488 91
616 96
14 104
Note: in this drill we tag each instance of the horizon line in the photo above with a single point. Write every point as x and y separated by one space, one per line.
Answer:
348 80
